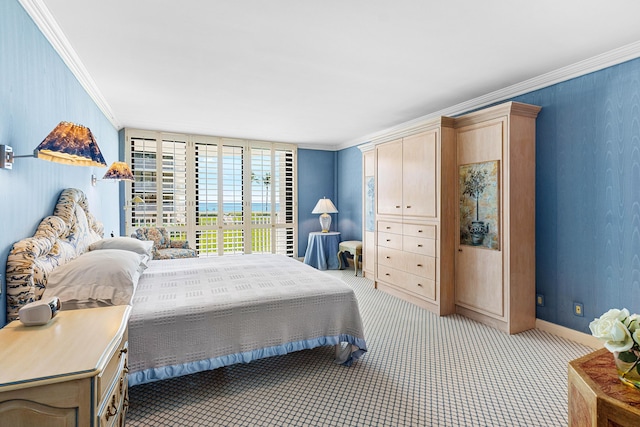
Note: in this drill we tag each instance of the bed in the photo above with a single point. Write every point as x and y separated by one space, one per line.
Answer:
188 315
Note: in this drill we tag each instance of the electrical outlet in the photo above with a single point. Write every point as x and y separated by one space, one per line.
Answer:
540 300
578 309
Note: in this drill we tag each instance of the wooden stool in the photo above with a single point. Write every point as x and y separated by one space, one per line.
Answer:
354 247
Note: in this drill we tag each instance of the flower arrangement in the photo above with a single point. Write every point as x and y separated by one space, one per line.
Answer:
620 332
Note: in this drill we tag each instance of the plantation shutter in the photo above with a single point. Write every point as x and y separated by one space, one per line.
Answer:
225 196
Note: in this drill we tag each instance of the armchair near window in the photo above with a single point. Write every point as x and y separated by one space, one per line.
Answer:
163 246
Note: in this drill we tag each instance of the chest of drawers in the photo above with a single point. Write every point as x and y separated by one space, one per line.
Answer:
70 372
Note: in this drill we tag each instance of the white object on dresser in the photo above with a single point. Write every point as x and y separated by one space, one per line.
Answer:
70 372
39 312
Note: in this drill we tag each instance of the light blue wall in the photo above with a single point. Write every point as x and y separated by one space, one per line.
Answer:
337 176
316 179
349 182
588 194
37 91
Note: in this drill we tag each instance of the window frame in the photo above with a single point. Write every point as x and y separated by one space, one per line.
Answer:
282 235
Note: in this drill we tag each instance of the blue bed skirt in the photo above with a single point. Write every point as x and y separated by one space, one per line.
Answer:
165 372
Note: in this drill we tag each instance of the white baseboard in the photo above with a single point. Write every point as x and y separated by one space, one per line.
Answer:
570 334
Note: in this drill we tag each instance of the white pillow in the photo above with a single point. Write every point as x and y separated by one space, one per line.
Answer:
142 247
96 278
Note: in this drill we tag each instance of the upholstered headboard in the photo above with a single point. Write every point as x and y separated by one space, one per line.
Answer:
59 238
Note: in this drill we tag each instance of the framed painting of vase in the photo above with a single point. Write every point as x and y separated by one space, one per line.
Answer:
478 186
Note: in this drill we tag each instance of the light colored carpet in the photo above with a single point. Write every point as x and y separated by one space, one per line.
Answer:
421 370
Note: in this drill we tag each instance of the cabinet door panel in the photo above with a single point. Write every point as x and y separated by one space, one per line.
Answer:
479 270
420 175
479 283
389 178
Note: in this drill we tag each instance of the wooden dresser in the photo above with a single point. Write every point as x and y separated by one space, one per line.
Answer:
415 203
597 397
69 372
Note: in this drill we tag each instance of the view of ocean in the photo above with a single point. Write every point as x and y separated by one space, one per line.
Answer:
235 207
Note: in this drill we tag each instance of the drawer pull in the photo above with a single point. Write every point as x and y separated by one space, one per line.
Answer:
419 285
110 414
419 231
388 257
419 246
388 227
408 207
388 240
387 274
397 207
419 265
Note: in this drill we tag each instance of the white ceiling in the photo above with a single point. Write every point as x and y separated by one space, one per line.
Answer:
324 74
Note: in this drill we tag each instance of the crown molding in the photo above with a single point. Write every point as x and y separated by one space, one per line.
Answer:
590 65
45 21
320 147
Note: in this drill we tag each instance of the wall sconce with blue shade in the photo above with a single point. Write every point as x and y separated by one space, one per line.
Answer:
325 207
67 143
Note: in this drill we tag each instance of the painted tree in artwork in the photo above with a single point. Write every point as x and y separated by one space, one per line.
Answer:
474 184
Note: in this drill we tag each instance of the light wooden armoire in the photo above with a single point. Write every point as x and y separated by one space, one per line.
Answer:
414 216
454 223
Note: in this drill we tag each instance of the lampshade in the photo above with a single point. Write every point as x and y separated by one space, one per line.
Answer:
72 144
324 205
119 171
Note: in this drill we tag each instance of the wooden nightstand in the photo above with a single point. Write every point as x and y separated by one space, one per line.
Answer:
69 372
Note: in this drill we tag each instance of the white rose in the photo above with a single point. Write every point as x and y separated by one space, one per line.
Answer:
602 328
610 329
614 313
622 340
636 335
632 323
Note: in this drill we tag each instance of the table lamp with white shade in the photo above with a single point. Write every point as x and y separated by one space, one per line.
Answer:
325 207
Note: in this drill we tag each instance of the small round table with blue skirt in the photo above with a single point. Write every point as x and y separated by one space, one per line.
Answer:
322 250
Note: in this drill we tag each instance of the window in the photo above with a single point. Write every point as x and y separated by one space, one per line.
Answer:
225 196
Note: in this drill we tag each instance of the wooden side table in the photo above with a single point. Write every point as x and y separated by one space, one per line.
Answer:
597 397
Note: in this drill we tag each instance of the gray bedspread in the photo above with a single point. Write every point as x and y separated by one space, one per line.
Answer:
196 314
